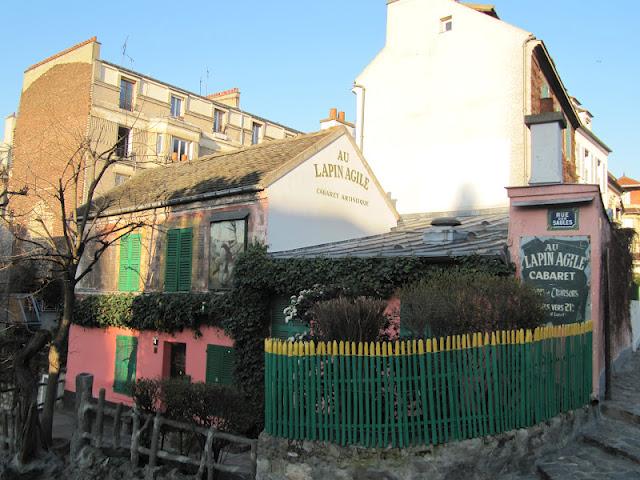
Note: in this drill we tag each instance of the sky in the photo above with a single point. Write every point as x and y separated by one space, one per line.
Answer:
293 60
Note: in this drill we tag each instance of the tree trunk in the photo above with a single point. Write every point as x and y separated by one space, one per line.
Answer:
30 441
55 361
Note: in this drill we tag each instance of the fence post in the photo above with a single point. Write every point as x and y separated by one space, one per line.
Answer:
155 437
83 398
117 426
135 436
84 381
100 419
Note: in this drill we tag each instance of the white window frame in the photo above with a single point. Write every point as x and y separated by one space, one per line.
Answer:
180 104
256 133
218 120
187 150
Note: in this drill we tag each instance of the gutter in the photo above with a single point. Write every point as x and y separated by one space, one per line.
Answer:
179 201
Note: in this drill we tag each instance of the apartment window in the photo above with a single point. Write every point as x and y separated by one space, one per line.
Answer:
218 115
125 364
129 273
159 144
220 362
228 240
126 94
446 24
123 143
180 150
120 178
176 106
255 133
544 91
177 275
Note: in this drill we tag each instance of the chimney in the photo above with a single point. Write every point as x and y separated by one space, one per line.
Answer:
336 118
229 97
546 147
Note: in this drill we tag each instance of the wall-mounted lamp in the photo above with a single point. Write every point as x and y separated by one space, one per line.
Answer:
155 344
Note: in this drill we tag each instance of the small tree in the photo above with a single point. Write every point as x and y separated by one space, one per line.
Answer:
61 226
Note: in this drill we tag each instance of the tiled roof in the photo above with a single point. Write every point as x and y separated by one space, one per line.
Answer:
482 8
624 180
225 173
482 234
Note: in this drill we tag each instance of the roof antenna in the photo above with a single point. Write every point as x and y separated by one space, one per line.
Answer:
124 51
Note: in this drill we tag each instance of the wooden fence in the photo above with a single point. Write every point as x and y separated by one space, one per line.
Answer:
92 417
425 392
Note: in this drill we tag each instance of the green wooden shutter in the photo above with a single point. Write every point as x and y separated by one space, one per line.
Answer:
184 260
171 263
281 328
125 364
177 275
406 332
129 273
220 364
123 273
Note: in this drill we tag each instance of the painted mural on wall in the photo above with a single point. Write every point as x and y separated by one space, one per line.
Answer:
560 269
227 242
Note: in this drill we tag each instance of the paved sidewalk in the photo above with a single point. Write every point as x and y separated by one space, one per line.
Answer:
610 447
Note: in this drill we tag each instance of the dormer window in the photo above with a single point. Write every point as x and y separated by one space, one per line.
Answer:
126 94
218 116
176 106
446 24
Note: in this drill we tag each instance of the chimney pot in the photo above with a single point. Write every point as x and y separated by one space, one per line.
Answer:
341 116
333 113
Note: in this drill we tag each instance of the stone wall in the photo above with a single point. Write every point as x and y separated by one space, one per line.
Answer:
480 458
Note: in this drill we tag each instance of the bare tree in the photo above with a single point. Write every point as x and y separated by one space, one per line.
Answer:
62 225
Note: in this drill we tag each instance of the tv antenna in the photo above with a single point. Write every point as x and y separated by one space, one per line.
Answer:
124 51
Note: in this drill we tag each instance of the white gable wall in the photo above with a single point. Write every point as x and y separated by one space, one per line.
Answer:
331 196
443 111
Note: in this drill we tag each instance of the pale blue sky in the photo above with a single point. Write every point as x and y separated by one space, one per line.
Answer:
293 60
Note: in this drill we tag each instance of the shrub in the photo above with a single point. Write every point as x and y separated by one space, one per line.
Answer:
451 303
357 320
146 394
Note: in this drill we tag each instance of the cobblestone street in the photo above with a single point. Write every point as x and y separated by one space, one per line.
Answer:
607 449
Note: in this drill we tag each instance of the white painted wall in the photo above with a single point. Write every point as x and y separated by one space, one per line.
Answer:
307 209
592 163
442 120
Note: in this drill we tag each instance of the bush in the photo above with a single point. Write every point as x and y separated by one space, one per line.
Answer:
357 320
451 303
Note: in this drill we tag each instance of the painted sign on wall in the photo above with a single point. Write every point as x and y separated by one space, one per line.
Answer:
560 269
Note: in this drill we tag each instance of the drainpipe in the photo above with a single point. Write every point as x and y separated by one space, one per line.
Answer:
359 91
526 82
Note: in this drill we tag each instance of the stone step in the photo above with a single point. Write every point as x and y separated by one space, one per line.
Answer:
582 461
615 437
625 412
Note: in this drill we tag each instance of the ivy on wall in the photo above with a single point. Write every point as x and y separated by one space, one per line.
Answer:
243 311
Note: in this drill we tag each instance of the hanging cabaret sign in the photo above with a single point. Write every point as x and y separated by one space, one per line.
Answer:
560 269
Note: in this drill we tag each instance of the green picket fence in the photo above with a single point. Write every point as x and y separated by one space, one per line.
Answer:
425 392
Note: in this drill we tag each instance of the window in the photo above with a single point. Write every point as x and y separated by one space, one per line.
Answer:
159 144
255 133
177 275
220 364
227 241
120 179
126 94
129 273
218 115
544 91
176 106
125 364
280 328
446 24
180 150
123 142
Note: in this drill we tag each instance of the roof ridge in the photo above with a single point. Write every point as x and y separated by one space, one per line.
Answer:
265 144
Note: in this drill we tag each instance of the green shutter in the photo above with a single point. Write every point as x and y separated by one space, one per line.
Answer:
406 332
281 328
129 273
220 366
184 260
125 364
177 275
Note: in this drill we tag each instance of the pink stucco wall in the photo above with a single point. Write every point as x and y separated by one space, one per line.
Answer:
93 350
530 221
